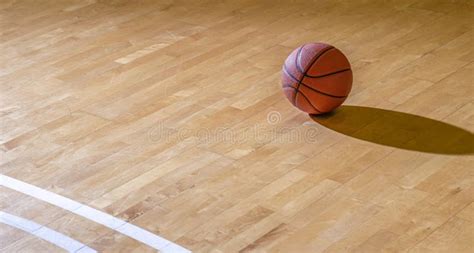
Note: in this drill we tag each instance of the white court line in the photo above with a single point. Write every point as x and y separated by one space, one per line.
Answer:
93 214
45 233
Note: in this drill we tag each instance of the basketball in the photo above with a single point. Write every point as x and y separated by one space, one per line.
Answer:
316 78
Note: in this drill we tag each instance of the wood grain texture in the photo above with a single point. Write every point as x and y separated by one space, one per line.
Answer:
169 114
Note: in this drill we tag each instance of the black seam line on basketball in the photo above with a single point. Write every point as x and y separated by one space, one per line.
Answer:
328 74
307 100
316 58
302 72
310 65
297 61
289 86
309 87
293 89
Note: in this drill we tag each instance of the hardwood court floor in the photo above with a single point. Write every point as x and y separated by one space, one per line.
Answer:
169 115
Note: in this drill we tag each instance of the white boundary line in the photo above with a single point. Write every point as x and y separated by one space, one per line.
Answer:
45 233
95 215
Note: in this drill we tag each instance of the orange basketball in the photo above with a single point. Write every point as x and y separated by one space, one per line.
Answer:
317 78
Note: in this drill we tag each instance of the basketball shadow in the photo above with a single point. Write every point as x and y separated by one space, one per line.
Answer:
398 129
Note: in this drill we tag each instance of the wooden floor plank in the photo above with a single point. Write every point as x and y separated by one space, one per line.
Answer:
170 115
